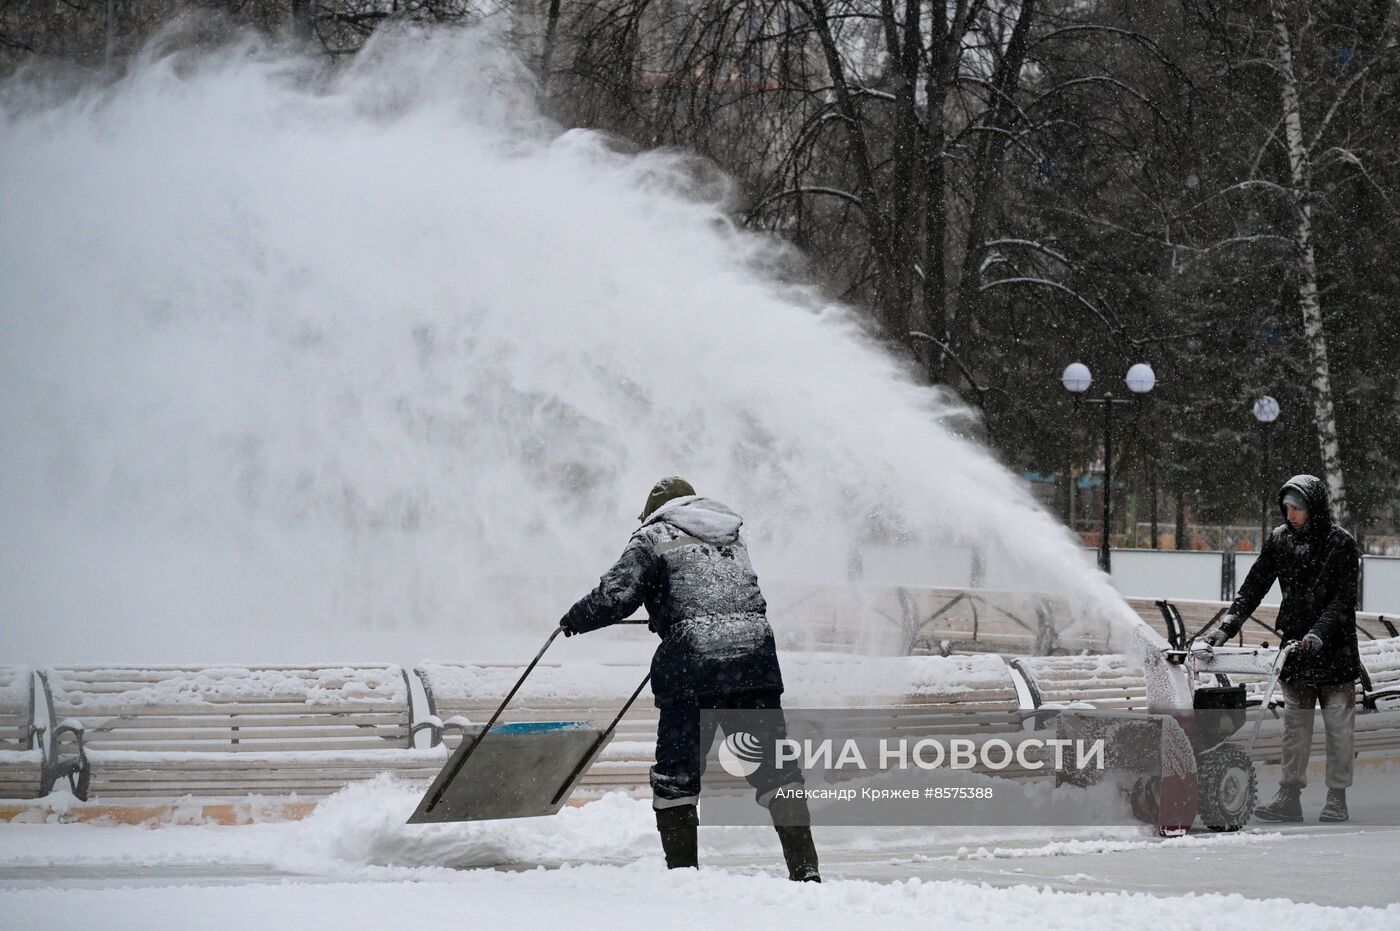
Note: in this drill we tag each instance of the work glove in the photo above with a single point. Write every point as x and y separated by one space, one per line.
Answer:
1309 645
1217 638
567 626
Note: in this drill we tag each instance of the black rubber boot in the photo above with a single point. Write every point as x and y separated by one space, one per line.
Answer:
1286 807
800 853
1335 811
792 822
677 827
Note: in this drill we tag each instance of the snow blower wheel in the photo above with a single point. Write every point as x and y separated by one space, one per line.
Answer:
1144 799
1228 788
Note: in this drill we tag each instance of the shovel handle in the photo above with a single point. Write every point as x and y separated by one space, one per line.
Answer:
599 743
460 761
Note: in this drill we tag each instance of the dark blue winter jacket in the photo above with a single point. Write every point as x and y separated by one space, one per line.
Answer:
687 564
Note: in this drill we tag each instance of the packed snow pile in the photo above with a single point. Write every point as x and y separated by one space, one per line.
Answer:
592 897
363 828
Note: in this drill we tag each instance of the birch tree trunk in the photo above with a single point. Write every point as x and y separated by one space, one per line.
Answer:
1324 419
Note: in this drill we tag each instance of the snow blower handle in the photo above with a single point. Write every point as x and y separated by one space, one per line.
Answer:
1284 652
1279 660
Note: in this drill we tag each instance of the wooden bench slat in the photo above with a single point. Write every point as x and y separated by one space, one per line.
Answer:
157 738
115 671
108 788
219 789
261 746
250 721
1105 681
21 762
17 729
192 776
114 711
326 693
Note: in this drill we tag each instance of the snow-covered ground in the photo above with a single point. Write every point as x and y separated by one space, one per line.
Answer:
354 863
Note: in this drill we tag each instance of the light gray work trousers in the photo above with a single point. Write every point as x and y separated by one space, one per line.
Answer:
1338 704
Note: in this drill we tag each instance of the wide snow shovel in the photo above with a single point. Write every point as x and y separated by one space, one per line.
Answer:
516 770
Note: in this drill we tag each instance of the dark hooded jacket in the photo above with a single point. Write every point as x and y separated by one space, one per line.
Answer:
690 568
1316 568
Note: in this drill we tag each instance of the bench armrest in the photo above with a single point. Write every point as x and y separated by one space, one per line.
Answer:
431 724
439 727
70 726
73 767
1372 697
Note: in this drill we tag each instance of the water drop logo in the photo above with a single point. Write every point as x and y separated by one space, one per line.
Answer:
740 755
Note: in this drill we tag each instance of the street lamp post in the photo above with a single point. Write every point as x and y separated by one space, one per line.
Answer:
1266 412
1077 379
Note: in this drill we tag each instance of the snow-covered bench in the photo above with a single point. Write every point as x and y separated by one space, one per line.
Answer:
969 685
1381 660
1104 682
219 731
973 696
1377 705
21 743
928 694
1379 685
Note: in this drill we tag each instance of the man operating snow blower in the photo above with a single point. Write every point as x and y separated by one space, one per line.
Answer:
1315 563
690 568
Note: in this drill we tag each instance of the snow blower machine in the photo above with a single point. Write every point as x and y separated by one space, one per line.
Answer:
1189 757
1226 783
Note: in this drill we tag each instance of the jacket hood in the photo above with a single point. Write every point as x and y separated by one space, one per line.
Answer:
702 518
1314 492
